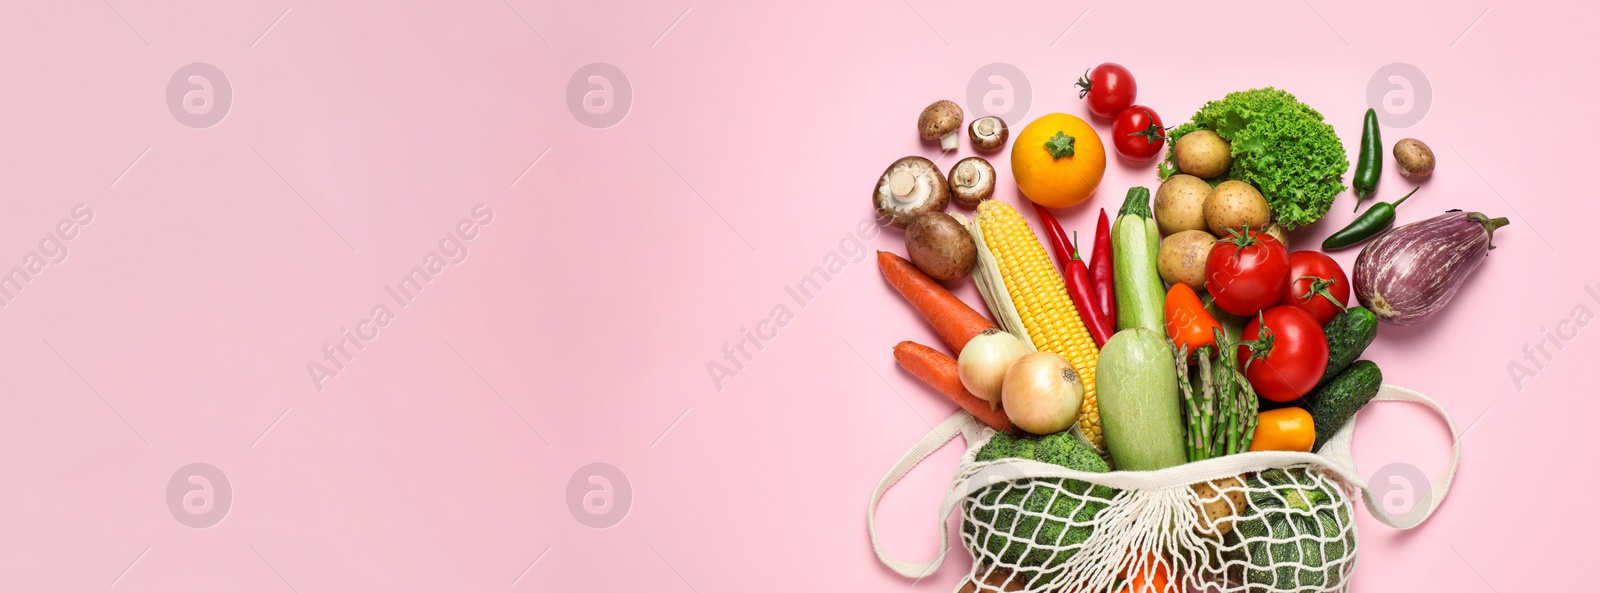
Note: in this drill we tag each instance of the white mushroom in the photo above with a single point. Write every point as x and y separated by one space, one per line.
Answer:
988 133
941 120
971 181
912 185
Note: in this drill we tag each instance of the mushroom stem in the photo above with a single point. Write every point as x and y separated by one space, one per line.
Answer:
949 141
901 183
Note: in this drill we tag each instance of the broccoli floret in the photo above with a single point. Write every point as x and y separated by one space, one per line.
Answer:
1061 449
1004 534
1004 446
1067 451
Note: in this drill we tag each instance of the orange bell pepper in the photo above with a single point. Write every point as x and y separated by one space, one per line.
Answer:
1284 429
1189 322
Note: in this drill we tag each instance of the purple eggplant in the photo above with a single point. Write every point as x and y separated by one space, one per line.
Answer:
1407 274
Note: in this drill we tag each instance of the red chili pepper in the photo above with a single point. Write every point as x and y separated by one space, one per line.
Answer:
1105 296
1076 276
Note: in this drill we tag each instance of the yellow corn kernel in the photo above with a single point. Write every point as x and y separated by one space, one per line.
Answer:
1042 302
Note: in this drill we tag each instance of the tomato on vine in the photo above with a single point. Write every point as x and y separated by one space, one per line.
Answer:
1283 352
1137 133
1247 272
1316 284
1109 88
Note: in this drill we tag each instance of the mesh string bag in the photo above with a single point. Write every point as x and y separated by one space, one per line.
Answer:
1252 522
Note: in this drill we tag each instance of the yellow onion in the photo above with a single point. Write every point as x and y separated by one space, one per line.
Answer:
1042 393
984 361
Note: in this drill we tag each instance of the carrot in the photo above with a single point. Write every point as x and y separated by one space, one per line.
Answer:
938 370
955 321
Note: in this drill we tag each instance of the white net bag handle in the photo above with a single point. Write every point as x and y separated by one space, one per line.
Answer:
1337 449
959 423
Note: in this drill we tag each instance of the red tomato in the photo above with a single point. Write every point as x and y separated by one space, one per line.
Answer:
1137 133
1284 362
1316 284
1247 273
1109 88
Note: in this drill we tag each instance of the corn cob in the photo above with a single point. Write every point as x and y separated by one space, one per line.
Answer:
1040 298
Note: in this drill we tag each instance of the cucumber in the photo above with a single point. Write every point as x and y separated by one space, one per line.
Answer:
1140 406
1135 248
1333 404
1349 333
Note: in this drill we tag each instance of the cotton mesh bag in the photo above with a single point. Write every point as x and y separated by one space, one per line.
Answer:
1251 522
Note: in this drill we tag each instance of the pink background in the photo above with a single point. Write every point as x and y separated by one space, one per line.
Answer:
220 260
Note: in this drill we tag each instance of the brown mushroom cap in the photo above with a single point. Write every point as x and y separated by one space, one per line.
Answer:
971 181
1414 158
911 186
940 246
939 119
988 133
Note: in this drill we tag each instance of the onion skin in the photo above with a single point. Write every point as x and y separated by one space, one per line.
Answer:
1408 274
1042 393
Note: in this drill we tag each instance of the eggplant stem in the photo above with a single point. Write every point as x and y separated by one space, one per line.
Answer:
1489 224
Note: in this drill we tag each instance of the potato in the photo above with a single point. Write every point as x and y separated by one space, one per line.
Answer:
1220 501
1203 154
1180 204
1277 232
1232 205
1182 258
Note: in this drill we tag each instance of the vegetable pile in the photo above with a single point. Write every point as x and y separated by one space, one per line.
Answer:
1191 332
1277 144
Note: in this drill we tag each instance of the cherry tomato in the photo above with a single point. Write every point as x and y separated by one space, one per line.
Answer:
1286 360
1284 429
1246 273
1316 284
1137 133
1109 88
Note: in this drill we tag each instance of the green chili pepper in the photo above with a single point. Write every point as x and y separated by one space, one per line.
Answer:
1377 218
1369 167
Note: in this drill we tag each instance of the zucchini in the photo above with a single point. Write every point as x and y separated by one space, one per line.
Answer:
1349 333
1141 411
1333 404
1135 247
